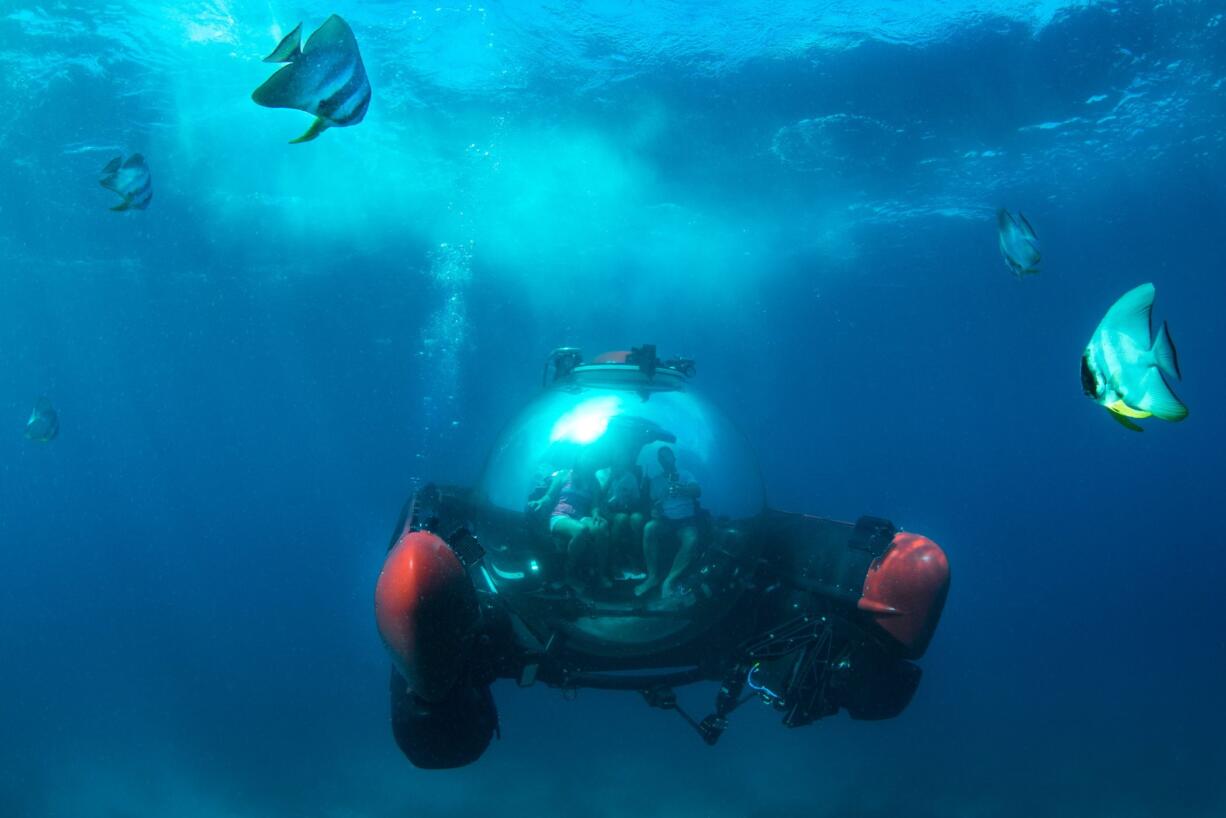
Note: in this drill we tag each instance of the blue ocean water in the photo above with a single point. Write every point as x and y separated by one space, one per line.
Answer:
252 373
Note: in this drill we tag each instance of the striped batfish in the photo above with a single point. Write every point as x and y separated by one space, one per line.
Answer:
325 78
130 179
44 423
1019 246
1122 365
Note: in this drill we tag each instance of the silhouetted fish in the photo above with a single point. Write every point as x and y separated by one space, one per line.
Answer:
44 423
1121 368
130 179
1018 244
325 78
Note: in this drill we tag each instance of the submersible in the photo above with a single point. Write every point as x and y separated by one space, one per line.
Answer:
540 572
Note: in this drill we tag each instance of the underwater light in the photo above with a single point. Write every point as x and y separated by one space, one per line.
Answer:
587 421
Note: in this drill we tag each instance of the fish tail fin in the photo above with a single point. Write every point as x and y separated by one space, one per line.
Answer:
317 127
289 48
1164 353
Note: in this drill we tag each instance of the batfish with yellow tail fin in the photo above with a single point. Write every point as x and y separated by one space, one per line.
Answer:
325 77
1121 367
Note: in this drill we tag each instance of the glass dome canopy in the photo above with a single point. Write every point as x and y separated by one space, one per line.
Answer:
590 579
599 413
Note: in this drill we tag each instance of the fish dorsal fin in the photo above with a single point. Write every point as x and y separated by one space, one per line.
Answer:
289 47
1158 399
135 161
113 165
1030 234
1004 218
334 33
1130 314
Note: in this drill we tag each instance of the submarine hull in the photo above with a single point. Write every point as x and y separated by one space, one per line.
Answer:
828 616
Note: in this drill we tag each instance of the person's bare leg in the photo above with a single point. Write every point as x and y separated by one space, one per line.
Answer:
617 543
635 537
651 555
685 555
599 534
572 533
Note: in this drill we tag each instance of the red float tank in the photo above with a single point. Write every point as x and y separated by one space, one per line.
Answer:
905 590
426 611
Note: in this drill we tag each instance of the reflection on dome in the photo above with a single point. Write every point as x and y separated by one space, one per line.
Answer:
624 496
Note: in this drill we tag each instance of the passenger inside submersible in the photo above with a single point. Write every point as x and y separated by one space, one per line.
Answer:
613 524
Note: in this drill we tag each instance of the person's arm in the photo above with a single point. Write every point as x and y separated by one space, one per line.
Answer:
551 496
604 487
690 487
656 497
600 501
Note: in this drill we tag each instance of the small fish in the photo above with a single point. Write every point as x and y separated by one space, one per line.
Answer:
44 423
130 179
1018 243
1121 369
325 78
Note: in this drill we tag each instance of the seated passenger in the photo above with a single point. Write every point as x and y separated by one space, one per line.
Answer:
674 513
574 518
624 509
